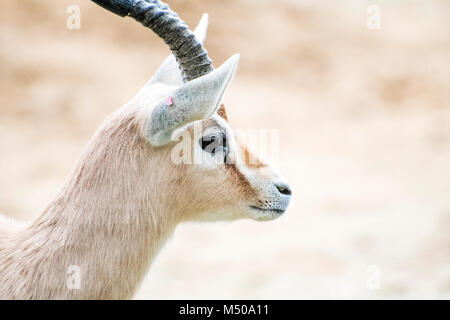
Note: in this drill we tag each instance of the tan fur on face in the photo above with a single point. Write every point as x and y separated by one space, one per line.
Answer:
250 159
218 189
222 112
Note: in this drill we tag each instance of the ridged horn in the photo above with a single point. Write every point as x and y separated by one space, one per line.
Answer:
156 15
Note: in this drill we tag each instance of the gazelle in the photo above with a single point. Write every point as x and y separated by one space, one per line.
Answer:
126 195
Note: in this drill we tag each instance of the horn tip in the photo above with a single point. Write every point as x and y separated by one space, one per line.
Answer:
202 27
236 57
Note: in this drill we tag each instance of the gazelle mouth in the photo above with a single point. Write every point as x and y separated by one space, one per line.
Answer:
277 211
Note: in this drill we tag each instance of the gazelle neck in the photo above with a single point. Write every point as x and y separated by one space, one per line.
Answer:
97 239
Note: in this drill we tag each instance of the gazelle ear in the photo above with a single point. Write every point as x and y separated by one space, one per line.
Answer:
169 71
195 100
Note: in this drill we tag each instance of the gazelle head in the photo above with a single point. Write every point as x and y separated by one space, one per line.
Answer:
189 140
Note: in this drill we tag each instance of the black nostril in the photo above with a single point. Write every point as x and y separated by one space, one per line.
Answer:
284 189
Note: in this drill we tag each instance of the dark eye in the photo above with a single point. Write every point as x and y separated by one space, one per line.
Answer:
214 142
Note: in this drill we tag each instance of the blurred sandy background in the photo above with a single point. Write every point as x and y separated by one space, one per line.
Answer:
364 119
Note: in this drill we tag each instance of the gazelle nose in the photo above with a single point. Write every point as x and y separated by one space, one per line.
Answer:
284 188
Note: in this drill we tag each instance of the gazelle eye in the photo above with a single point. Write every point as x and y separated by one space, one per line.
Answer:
214 142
